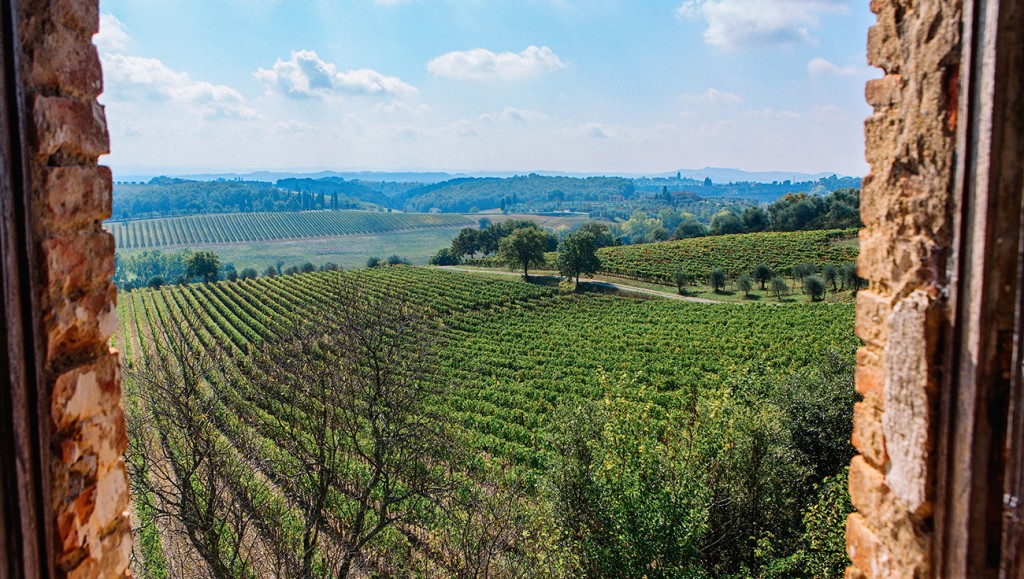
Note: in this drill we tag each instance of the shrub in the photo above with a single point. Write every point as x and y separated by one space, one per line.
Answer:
814 287
716 279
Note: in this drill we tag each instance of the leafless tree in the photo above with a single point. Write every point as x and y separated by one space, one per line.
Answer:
351 392
180 464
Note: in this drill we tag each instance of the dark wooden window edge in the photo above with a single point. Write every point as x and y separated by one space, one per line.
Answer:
979 443
25 525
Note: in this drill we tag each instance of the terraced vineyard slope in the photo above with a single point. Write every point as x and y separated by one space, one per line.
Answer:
199 230
516 357
736 254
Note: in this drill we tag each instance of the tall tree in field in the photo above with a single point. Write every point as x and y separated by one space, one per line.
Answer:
467 242
524 248
204 265
763 274
578 255
352 395
716 279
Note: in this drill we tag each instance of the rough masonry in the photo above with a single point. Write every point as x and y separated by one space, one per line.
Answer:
905 206
71 196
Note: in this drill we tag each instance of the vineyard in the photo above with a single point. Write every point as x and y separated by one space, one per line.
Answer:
227 228
736 254
513 354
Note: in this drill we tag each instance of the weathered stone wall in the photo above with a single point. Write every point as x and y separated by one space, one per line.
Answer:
904 249
71 196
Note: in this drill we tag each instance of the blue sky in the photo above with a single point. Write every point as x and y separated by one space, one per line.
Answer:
600 86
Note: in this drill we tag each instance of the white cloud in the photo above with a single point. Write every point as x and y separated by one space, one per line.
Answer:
399 106
483 64
293 127
820 66
595 131
737 24
113 34
773 114
156 81
305 75
713 95
515 115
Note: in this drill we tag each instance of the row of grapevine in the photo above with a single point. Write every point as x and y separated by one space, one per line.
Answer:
248 227
736 254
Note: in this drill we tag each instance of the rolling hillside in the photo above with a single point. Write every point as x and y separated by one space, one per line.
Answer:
231 228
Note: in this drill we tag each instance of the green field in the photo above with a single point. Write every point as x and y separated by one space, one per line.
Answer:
348 251
736 254
235 228
517 356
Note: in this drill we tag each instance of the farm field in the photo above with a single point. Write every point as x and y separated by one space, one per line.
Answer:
517 355
348 251
736 254
235 228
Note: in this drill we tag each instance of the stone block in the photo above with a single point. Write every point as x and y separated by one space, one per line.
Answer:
862 544
884 92
85 322
80 15
872 313
76 127
908 406
68 63
78 262
85 392
868 491
75 198
868 437
870 374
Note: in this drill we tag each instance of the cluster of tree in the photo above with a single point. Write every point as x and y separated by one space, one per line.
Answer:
795 212
154 268
814 280
749 481
487 241
462 195
339 187
373 262
164 197
756 191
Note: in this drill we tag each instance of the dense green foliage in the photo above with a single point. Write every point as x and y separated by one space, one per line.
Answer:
164 197
246 227
460 195
669 439
733 253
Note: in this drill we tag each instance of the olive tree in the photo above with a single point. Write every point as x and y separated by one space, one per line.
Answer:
779 287
716 279
814 287
745 284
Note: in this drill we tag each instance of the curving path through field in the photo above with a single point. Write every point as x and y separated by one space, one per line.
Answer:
605 284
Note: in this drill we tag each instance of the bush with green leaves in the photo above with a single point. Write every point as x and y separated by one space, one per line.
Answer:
716 279
745 284
814 287
779 287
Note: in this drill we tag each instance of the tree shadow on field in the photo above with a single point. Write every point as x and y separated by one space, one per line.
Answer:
545 280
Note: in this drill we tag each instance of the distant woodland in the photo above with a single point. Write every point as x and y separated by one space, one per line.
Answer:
601 197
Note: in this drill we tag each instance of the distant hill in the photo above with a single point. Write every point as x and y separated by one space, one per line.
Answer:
723 175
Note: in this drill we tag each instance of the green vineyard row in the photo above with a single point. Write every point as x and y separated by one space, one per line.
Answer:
199 230
736 254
